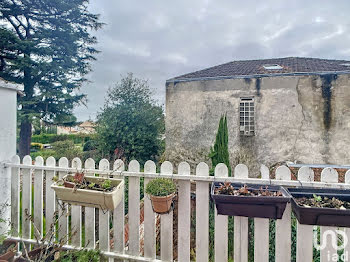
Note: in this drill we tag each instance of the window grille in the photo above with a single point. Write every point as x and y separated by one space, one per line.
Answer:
246 116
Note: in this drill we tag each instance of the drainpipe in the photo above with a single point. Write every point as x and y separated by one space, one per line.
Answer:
8 126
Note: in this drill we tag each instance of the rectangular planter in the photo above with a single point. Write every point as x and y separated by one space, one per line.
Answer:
321 216
251 206
92 198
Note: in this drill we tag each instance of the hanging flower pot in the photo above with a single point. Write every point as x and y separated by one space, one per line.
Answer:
162 192
323 207
8 250
253 200
105 193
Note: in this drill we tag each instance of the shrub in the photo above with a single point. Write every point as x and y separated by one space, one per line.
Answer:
51 138
67 149
161 187
43 153
90 145
131 124
219 153
82 256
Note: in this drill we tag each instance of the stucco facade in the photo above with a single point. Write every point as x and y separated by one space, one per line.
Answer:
302 117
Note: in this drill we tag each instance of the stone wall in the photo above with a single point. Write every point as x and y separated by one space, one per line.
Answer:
303 118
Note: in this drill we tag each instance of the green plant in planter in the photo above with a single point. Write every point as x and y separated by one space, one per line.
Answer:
107 184
161 187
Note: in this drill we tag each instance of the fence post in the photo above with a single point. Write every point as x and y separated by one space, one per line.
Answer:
184 214
202 214
8 125
221 224
328 175
166 223
283 226
240 224
305 232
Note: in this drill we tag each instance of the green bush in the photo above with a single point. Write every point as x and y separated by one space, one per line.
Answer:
161 187
52 138
66 149
219 152
82 256
90 145
131 124
43 153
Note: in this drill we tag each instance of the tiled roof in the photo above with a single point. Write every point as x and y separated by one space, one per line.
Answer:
249 68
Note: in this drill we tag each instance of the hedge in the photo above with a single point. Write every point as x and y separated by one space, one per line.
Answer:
51 138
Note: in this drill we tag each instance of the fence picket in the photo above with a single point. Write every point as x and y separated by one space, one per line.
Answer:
62 207
304 232
202 214
26 198
283 226
149 216
89 218
38 198
265 172
166 223
184 211
103 215
76 212
240 224
329 175
221 224
347 230
15 196
134 209
118 216
261 238
50 201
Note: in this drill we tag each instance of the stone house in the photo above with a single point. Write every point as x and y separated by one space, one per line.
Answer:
86 127
283 109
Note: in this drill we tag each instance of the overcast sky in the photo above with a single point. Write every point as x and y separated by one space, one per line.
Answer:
159 39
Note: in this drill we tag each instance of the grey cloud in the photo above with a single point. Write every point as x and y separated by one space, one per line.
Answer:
158 39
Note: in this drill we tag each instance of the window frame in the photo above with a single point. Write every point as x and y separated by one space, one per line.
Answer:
247 116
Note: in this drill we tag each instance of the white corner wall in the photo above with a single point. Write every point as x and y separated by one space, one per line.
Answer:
8 116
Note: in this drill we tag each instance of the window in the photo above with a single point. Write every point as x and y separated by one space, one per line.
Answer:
246 116
272 67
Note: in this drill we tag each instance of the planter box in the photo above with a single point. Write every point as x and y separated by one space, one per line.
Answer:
251 206
321 216
92 198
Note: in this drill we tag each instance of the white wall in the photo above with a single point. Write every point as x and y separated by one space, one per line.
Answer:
8 114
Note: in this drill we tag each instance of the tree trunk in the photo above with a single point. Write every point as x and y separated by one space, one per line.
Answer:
25 138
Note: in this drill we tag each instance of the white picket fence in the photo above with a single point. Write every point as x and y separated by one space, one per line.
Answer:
30 175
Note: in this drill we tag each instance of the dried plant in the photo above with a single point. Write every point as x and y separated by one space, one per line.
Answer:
226 188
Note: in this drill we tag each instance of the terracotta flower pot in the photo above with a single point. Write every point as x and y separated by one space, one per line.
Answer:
162 204
11 247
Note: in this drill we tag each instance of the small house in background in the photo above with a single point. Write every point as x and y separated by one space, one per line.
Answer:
292 108
86 127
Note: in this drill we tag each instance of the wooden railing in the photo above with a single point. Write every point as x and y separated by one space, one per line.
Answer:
33 179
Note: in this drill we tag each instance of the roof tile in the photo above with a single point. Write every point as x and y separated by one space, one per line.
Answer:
255 67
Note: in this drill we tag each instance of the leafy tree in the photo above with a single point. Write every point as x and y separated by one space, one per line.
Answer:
219 153
46 46
131 124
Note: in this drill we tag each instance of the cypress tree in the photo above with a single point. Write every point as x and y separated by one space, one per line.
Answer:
219 153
